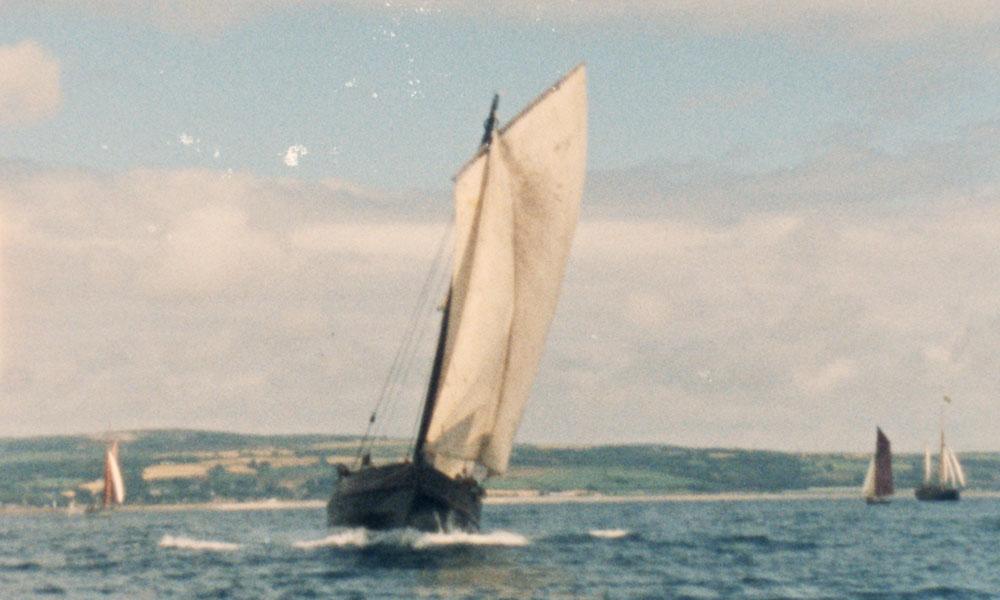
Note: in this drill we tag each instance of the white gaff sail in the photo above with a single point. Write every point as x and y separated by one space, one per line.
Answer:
868 487
945 476
516 208
955 470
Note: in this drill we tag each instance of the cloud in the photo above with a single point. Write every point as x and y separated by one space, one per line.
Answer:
841 172
211 249
851 290
177 297
29 84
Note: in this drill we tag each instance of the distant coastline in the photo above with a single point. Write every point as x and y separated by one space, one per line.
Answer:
183 469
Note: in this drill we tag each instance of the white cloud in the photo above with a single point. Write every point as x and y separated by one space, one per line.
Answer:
828 376
293 154
211 249
29 84
868 286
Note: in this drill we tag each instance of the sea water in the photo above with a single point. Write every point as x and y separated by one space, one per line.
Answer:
713 549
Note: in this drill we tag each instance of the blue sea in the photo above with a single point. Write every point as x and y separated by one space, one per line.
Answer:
715 549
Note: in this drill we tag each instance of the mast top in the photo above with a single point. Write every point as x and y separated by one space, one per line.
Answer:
491 121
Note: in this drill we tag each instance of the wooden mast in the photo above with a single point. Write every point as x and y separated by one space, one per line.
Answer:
432 386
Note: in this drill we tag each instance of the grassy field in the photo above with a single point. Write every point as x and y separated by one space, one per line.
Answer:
180 466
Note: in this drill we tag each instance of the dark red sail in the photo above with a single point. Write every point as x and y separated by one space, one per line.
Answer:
883 465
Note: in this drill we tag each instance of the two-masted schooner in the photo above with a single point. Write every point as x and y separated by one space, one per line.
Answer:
950 479
878 481
516 207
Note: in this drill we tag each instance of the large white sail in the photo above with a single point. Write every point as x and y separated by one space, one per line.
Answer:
927 465
516 209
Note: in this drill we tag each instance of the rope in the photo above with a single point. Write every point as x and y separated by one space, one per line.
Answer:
405 349
443 283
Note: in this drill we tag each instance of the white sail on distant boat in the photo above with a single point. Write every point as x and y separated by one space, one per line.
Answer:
951 476
114 484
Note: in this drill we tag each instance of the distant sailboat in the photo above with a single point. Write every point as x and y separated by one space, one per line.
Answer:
950 479
114 485
516 206
878 481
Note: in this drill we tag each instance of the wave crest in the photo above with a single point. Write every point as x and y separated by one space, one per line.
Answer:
185 543
610 534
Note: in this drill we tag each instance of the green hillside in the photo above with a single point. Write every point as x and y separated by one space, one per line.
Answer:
178 466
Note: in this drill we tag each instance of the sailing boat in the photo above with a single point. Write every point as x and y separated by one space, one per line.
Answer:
951 477
114 484
878 481
516 207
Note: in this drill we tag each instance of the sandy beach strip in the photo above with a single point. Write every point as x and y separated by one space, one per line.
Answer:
527 497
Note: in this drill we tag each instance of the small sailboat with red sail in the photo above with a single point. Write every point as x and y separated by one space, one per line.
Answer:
878 486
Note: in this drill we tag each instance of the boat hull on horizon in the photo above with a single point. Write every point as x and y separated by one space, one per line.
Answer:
405 495
877 500
936 493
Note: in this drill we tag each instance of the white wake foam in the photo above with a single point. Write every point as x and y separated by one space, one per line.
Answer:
610 534
411 538
184 543
343 539
494 538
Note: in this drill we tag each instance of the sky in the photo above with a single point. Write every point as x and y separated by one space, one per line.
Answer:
221 215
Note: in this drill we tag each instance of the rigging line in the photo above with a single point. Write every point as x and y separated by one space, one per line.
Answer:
386 397
444 281
421 301
438 275
415 335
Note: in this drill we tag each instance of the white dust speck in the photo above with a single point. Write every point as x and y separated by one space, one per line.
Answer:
185 139
293 154
351 83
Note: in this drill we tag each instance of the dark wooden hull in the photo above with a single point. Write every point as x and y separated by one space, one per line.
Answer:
934 493
405 495
877 500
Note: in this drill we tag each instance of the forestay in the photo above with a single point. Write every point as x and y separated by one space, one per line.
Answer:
516 208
